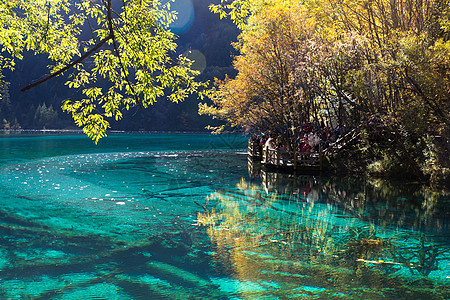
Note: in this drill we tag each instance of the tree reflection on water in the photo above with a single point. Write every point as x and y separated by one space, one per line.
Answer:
315 236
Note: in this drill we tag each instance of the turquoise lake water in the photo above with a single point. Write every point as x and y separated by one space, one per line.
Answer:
187 216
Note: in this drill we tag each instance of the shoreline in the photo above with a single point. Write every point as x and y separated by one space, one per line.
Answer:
79 131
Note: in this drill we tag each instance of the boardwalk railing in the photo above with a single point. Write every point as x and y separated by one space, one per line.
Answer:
296 160
343 142
254 149
277 158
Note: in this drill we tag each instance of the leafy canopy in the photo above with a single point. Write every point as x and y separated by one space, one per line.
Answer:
126 58
382 57
271 90
361 64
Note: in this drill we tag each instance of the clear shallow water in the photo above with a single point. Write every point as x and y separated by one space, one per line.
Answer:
178 216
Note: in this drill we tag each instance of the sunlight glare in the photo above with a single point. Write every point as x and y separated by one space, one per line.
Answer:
185 15
198 58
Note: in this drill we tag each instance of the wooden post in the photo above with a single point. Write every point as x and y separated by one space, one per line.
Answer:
295 160
264 155
278 157
260 152
320 158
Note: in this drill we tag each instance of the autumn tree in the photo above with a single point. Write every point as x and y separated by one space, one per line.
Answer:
402 76
272 91
360 62
404 67
127 58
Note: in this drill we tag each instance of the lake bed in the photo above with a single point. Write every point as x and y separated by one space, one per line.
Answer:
178 216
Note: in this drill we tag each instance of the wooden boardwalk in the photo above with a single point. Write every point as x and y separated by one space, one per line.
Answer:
301 161
285 160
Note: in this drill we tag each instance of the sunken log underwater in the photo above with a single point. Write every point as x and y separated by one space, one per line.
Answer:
286 237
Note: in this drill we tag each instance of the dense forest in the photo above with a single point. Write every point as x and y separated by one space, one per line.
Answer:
40 107
377 69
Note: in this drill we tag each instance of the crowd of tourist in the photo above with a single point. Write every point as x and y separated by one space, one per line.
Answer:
311 137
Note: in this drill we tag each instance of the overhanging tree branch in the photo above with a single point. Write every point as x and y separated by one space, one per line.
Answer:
116 49
89 22
59 72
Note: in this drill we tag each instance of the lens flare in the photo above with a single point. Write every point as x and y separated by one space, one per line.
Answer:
199 60
185 15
